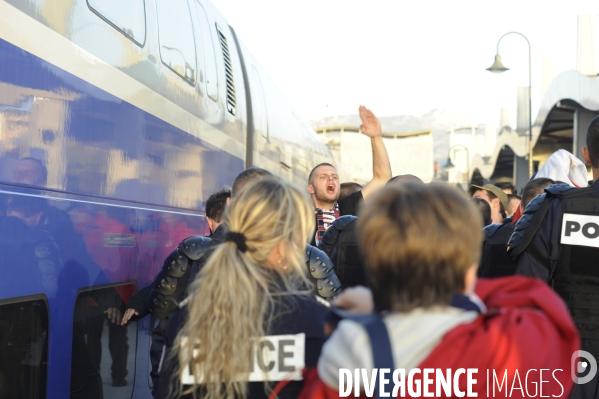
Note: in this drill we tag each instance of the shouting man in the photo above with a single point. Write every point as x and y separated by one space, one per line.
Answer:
324 186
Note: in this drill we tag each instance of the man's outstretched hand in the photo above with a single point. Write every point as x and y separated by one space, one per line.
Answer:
370 123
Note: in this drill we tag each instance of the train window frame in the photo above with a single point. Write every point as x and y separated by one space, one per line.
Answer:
207 37
43 299
194 80
120 30
132 350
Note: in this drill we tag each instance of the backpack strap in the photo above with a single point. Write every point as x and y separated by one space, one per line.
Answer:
380 342
331 235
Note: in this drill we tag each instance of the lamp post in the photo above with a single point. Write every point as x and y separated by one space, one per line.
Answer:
449 164
498 67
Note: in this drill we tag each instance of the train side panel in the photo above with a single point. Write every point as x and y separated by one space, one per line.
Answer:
123 134
283 141
116 124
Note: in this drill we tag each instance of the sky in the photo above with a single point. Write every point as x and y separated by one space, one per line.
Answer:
406 57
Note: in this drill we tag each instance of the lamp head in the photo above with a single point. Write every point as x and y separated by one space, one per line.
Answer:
449 164
497 66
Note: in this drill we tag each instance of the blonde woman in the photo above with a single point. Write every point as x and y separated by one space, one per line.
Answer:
250 321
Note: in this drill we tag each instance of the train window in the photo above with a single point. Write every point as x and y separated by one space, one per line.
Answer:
103 352
209 55
177 46
24 329
129 17
259 105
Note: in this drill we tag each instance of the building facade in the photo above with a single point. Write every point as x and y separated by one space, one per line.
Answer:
409 153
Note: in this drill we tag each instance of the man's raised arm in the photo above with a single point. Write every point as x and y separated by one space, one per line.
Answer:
381 167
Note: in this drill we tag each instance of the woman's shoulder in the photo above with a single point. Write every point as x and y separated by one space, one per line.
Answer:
298 313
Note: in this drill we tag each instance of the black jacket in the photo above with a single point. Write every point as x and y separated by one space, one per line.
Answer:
495 260
295 315
571 269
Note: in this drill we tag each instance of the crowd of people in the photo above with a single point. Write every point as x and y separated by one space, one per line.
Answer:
274 302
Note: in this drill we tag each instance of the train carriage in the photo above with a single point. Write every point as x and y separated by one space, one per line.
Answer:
117 121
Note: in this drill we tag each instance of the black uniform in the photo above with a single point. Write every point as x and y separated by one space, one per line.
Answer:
557 240
340 243
295 315
141 303
495 260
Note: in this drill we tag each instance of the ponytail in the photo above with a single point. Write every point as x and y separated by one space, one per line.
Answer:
234 292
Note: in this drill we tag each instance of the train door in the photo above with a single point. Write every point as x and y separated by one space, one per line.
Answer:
260 115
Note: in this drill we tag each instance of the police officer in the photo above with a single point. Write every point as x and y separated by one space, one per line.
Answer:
557 240
248 309
495 260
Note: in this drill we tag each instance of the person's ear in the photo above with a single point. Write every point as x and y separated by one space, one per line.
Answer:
496 203
281 250
228 201
277 255
586 156
211 223
310 189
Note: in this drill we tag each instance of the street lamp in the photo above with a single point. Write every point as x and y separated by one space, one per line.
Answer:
498 67
450 164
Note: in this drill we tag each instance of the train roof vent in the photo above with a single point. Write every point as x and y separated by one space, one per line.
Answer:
231 102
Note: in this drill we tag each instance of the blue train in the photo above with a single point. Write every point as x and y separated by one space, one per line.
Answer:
117 120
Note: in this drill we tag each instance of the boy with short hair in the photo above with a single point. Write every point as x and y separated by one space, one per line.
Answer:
421 245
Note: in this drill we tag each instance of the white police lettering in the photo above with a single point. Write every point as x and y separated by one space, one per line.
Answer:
275 358
280 357
580 230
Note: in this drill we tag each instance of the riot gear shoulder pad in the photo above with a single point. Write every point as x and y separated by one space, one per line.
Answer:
322 271
195 247
332 234
343 221
171 282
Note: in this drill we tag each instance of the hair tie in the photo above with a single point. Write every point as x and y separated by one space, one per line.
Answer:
238 239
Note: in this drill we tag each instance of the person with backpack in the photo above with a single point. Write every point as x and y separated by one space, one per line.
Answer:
421 245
